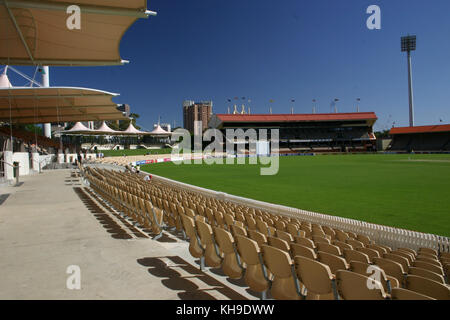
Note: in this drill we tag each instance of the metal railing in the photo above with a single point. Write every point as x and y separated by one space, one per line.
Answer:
384 235
15 169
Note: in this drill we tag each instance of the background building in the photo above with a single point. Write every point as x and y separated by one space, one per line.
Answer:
196 111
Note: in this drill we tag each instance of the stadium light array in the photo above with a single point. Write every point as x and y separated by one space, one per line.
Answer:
408 44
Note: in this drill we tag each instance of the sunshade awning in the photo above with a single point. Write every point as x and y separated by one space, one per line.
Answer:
36 32
57 104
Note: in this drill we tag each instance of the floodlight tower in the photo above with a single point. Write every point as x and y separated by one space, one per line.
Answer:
408 45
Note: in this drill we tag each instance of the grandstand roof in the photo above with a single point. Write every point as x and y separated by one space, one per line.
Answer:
278 118
56 104
420 129
36 32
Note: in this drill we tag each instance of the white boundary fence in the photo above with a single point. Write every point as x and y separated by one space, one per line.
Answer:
384 235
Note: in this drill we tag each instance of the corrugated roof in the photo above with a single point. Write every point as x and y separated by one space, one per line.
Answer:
296 117
421 129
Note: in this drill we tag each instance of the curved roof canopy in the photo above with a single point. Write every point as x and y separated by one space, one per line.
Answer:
36 32
131 130
57 104
158 131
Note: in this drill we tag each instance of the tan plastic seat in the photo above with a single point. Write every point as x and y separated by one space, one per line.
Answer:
293 229
205 232
354 243
285 236
392 268
394 257
299 250
353 286
428 266
371 253
278 243
342 245
285 285
410 257
364 239
257 236
317 278
427 287
378 248
341 235
321 239
231 265
354 255
262 227
195 247
334 262
369 270
256 276
237 230
404 294
305 242
426 274
429 260
411 251
326 247
428 250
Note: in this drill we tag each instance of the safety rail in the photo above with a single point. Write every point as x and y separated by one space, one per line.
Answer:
384 235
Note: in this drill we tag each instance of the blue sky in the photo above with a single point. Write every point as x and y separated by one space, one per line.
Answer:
279 49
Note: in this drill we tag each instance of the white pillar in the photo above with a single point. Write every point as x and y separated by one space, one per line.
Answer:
46 83
35 161
8 158
60 157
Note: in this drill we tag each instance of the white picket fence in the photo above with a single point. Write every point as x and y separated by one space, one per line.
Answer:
384 235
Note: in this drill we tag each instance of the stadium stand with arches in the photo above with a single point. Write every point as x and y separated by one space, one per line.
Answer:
278 256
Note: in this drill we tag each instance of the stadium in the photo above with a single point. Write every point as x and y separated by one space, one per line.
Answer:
107 210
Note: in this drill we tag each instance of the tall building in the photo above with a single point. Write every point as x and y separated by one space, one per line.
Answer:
196 111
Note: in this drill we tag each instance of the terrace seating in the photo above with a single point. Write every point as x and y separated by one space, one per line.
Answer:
228 236
353 286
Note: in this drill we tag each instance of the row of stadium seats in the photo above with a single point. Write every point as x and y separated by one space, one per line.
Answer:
290 258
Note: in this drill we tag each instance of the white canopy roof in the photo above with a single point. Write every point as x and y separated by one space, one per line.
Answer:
36 32
105 129
4 81
158 131
78 127
131 130
57 104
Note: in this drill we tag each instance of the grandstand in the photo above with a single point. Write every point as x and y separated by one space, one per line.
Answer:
328 132
421 138
279 256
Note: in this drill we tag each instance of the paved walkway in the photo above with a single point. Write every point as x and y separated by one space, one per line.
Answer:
45 227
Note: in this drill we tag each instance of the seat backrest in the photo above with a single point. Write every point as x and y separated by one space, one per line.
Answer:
326 247
278 243
322 239
354 286
428 250
391 268
413 252
404 294
354 255
429 260
371 253
257 236
230 265
305 242
427 287
300 250
262 227
249 252
369 270
407 255
426 274
280 264
354 243
195 247
316 276
428 266
284 235
334 262
364 239
237 230
394 257
342 245
378 248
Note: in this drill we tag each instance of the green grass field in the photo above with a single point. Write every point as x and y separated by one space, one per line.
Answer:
135 152
405 191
